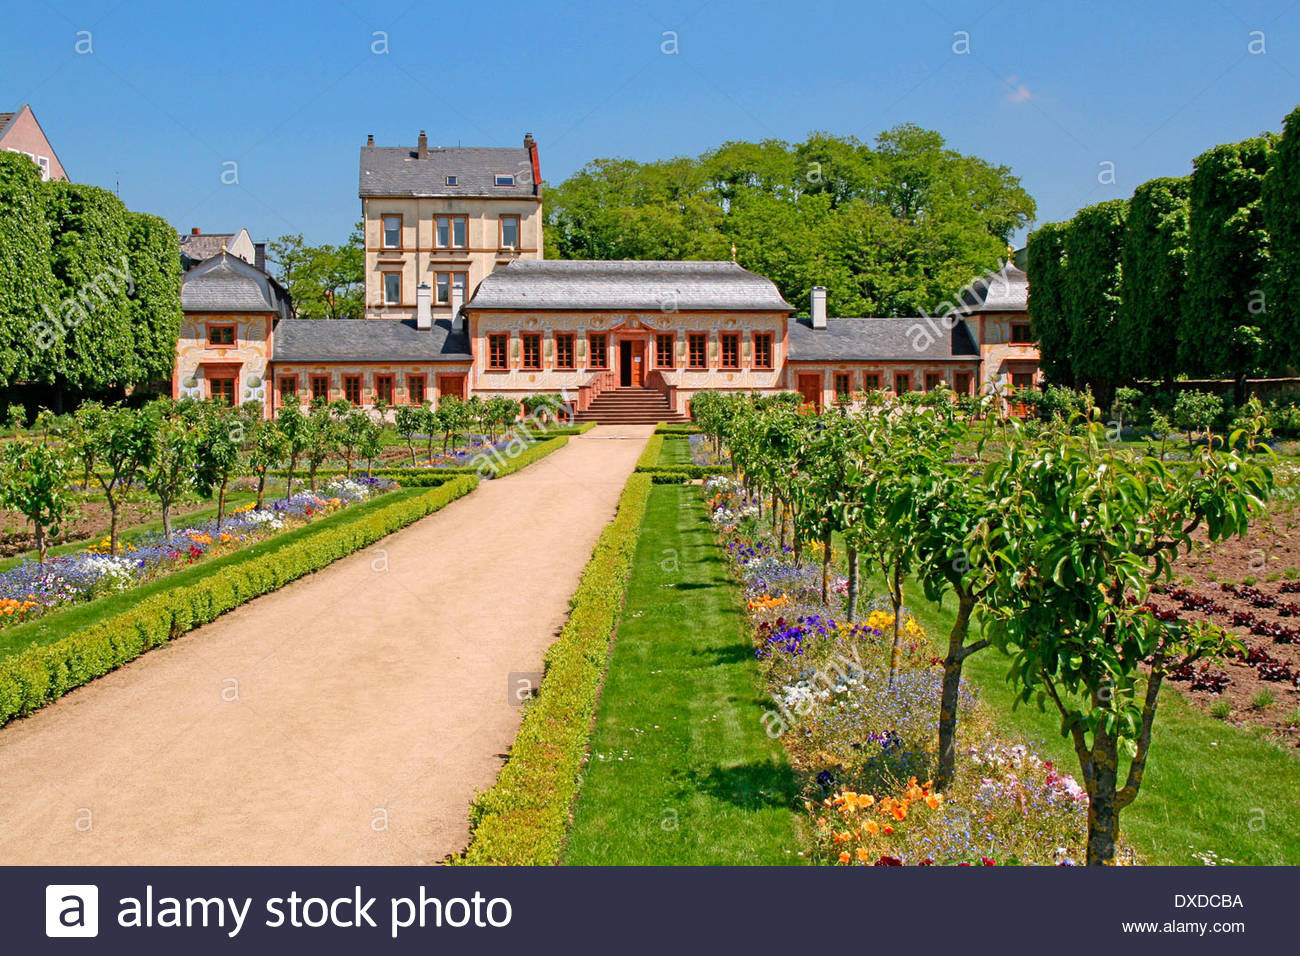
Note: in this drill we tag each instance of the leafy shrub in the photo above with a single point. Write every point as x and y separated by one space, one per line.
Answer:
40 674
523 817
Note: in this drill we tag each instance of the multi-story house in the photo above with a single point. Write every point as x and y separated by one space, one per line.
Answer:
21 133
444 217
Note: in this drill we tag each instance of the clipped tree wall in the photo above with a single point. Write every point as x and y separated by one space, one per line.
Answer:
1227 260
1281 215
1091 290
1046 268
27 286
154 252
1153 284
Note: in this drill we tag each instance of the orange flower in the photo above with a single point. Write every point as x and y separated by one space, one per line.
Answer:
863 855
889 830
850 798
865 800
844 857
900 811
932 802
871 827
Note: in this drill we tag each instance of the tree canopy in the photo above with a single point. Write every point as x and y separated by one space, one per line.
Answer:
1281 213
325 282
1154 280
894 227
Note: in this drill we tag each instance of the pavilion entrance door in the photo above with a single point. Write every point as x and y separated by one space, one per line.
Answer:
810 387
631 363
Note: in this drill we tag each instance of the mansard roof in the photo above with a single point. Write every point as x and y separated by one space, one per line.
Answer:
368 340
873 339
398 171
1006 290
627 285
226 283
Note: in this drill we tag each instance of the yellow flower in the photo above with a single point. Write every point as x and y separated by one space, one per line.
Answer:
932 802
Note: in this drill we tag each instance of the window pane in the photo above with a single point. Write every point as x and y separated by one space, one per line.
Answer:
458 283
510 232
392 288
444 227
459 228
392 231
442 287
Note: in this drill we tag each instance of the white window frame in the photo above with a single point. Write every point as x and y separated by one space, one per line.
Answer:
504 179
383 230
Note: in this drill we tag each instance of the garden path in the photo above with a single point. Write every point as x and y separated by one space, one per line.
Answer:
348 718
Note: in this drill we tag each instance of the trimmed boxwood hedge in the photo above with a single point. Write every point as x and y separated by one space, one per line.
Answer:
668 428
523 817
654 447
685 472
426 477
32 678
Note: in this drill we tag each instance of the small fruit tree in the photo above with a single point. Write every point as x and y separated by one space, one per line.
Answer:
121 445
1084 532
33 479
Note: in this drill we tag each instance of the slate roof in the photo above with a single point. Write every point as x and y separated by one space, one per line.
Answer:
5 120
1006 290
205 245
626 285
226 283
368 340
870 340
395 171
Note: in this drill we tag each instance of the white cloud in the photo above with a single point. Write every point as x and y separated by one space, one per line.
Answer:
1018 93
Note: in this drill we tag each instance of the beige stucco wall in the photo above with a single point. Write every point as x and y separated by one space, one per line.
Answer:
1000 355
858 371
400 371
638 326
250 352
418 260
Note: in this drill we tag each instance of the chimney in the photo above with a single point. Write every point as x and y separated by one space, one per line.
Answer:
457 300
530 144
370 139
423 306
194 230
422 146
818 307
259 255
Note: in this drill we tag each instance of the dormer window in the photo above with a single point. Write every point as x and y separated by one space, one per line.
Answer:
453 181
505 179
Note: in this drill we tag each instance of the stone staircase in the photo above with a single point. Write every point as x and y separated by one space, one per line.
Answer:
630 406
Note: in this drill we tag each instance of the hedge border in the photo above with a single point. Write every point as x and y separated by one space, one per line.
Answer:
421 477
522 819
677 428
39 675
654 447
684 472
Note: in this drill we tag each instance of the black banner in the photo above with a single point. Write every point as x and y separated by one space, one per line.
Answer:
860 909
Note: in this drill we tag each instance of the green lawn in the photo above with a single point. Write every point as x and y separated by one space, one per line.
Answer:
676 451
681 770
1208 786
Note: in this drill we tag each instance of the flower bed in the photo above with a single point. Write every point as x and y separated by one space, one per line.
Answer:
865 746
31 588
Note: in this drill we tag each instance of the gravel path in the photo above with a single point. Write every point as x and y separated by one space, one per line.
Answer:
348 718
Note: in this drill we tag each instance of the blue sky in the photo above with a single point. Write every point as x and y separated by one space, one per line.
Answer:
288 91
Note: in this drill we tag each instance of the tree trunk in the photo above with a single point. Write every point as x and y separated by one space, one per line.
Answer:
896 600
411 445
288 488
855 583
40 542
826 566
951 685
113 507
1103 814
221 503
261 489
167 520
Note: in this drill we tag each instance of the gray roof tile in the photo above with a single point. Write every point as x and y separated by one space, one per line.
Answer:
627 285
1006 290
869 340
368 340
395 171
226 283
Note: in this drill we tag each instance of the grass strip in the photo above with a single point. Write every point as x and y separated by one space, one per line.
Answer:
62 651
682 771
522 818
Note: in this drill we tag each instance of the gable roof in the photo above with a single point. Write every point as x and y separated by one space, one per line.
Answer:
226 283
1006 290
9 119
6 119
368 340
872 339
627 285
396 171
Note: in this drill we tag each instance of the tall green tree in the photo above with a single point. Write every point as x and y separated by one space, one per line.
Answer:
1227 262
29 293
1281 215
92 266
1047 268
1091 295
1153 279
154 254
325 282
